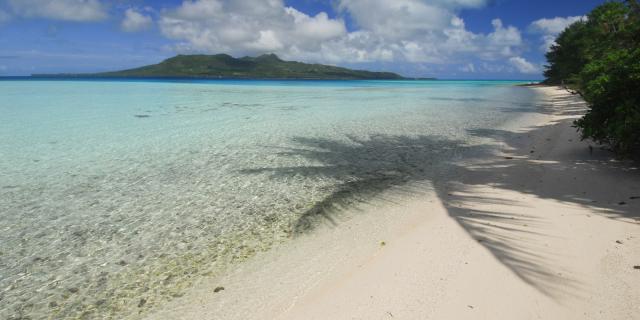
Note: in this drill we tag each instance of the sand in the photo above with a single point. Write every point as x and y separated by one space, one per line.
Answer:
543 228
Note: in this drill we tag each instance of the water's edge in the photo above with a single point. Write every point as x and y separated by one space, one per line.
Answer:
103 224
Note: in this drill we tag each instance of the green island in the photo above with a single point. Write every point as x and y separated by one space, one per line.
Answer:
267 66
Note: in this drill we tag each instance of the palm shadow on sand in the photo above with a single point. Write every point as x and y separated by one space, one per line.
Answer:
369 167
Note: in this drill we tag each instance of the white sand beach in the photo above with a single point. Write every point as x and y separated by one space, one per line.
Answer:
544 228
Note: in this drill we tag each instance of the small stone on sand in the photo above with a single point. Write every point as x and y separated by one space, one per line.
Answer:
218 289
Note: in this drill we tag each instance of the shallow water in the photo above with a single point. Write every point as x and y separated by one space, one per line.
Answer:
117 195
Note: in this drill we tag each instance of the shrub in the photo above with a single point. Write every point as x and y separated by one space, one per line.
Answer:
600 59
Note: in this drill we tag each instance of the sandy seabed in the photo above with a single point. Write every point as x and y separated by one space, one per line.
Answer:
541 227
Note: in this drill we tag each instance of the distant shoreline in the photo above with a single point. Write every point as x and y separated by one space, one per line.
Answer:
522 83
71 76
221 66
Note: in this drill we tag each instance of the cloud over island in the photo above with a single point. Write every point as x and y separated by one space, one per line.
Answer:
413 31
413 37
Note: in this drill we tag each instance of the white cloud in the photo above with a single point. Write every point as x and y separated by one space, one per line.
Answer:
316 28
501 36
399 19
523 66
550 28
199 9
555 25
69 10
135 21
406 31
247 27
502 42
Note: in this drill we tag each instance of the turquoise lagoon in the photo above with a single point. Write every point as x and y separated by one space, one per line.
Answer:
117 195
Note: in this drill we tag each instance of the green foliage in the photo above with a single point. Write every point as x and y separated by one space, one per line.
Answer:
566 57
610 85
600 58
267 66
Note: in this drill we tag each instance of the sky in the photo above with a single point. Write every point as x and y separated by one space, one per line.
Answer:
447 39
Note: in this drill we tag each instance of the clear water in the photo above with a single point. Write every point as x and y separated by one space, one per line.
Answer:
117 195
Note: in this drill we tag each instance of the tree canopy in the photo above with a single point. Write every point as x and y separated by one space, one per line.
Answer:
599 58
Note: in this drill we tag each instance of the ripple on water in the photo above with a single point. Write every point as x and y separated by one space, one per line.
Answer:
123 213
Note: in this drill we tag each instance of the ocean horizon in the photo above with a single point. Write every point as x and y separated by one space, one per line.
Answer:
232 80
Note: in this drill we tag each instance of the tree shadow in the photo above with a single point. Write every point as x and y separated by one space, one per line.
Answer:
575 168
367 167
572 105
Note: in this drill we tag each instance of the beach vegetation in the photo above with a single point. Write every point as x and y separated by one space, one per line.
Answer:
599 58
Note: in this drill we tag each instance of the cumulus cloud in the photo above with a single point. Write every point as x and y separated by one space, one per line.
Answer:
69 10
135 21
502 42
550 28
414 31
428 31
555 25
399 19
523 66
246 27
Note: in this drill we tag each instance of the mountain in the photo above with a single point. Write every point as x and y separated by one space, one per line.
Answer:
268 66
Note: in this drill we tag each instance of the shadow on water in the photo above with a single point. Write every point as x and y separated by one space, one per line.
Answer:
369 167
365 168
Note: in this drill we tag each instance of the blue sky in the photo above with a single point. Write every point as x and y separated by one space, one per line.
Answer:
457 39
